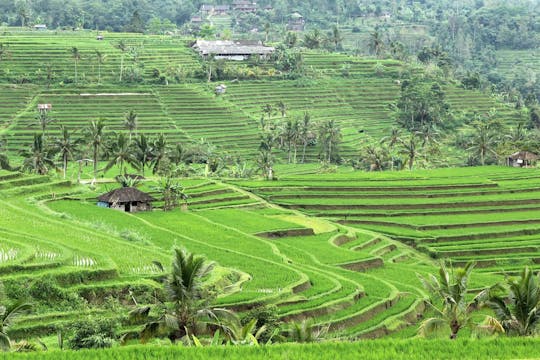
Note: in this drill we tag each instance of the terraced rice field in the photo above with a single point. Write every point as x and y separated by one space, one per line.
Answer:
356 282
490 215
30 52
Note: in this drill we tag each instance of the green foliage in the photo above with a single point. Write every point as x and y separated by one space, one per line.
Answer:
92 333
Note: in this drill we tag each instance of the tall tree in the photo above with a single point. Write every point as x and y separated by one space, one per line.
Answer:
37 158
483 140
335 38
305 133
122 46
131 123
76 55
143 152
65 146
43 119
96 138
376 44
100 58
159 152
121 154
410 148
329 138
172 192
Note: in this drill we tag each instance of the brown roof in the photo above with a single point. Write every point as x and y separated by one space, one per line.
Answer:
124 195
524 155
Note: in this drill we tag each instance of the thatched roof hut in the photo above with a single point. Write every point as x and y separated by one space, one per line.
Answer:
127 199
522 159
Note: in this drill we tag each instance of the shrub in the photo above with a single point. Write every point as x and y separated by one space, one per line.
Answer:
93 334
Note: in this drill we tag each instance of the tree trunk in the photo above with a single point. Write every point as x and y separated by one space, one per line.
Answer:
65 160
121 66
95 162
304 152
76 78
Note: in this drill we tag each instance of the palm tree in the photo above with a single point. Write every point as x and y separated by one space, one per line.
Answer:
518 310
376 44
335 37
159 149
267 28
282 107
42 120
95 133
393 138
171 192
483 141
265 163
290 134
305 133
449 301
65 146
37 158
76 55
8 316
143 152
100 58
329 138
189 303
130 123
121 153
121 45
409 147
268 109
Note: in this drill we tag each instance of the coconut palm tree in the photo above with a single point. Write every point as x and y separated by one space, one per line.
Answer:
143 152
43 119
305 133
450 302
282 107
120 153
131 123
37 159
188 309
96 138
329 138
159 149
121 45
8 316
376 44
409 147
237 333
265 163
483 141
518 310
76 55
100 58
65 146
172 192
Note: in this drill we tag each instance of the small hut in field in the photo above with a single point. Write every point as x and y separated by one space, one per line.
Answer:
128 199
522 159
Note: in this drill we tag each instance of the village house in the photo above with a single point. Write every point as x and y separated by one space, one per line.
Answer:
214 9
245 6
522 159
40 27
126 199
232 49
296 22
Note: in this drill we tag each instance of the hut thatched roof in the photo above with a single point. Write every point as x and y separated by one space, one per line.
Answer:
125 195
524 155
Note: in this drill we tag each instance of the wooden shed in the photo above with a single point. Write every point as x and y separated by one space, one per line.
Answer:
126 199
522 159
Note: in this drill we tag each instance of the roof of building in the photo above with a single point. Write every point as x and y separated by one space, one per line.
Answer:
229 47
524 155
40 26
124 195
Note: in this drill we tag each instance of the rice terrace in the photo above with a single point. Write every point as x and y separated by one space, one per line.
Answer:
279 180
